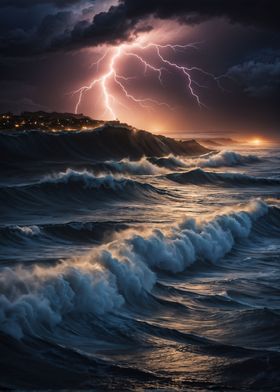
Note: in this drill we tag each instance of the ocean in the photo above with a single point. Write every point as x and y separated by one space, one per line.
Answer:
124 266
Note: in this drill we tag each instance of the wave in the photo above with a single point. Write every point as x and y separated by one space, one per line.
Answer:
112 276
214 160
126 166
15 236
170 162
72 185
87 180
105 142
26 231
223 159
109 183
193 240
201 177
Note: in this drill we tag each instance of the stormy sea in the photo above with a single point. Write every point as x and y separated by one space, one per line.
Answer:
130 261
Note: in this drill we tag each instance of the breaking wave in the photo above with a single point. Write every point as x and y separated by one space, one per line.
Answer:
113 276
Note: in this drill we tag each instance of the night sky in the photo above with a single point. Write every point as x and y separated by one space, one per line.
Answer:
48 49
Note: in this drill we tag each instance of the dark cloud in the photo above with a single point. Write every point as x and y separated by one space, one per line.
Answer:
26 42
255 12
258 76
54 24
121 21
21 105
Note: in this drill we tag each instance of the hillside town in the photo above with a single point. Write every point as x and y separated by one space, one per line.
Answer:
47 121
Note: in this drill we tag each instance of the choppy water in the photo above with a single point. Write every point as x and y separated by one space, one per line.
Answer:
158 273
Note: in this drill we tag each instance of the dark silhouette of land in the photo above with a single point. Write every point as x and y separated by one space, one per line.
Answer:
66 136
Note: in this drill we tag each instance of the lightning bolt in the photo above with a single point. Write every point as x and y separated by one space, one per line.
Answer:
110 74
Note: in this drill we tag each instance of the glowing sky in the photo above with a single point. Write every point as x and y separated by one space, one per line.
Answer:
159 65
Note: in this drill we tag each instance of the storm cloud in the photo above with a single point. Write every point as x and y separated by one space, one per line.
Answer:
120 22
259 76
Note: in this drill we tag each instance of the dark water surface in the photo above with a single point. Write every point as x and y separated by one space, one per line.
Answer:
159 273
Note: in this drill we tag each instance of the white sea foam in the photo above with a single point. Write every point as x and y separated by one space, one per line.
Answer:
27 230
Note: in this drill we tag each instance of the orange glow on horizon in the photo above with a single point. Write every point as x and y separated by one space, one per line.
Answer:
257 141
